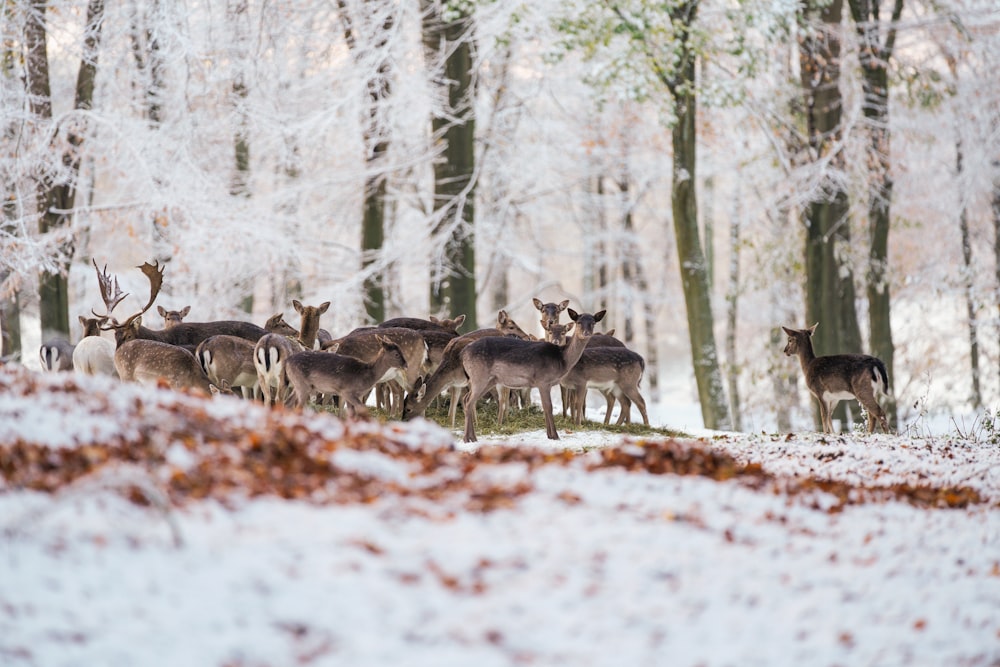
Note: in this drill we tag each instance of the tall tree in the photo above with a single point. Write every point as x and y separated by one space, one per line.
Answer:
875 52
449 48
830 291
662 42
369 42
56 187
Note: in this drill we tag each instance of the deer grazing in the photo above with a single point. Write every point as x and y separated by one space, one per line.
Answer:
838 377
94 355
449 374
228 361
312 372
365 344
519 364
432 324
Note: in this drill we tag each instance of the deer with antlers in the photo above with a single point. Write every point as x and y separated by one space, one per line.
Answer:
146 360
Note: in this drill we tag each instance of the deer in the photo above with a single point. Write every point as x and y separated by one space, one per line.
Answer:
523 364
185 333
616 372
311 372
94 355
449 374
172 317
550 311
363 343
56 355
839 377
142 359
309 327
230 360
432 324
274 348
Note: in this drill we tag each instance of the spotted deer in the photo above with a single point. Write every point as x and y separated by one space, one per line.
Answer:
273 349
518 364
840 377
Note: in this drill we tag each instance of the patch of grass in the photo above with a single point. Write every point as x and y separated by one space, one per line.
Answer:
531 419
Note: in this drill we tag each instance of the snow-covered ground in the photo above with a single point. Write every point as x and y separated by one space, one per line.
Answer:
181 546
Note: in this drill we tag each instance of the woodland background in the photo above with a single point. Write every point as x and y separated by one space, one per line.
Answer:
705 169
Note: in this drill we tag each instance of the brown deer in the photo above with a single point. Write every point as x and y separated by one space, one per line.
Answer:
615 370
449 374
276 324
364 344
185 333
515 363
269 357
94 355
312 372
141 359
229 360
432 324
550 311
838 377
172 317
309 326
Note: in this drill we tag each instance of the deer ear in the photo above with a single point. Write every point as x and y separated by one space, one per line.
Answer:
573 315
538 303
297 305
459 321
812 329
185 311
83 321
563 305
502 316
788 331
162 311
599 316
569 326
322 307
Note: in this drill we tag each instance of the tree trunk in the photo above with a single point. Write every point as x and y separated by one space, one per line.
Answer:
732 301
376 32
830 292
874 58
967 272
453 275
694 272
55 198
996 236
10 310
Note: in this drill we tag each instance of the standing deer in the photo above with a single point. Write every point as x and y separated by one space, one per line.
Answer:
141 359
312 372
615 370
515 363
364 344
269 357
550 311
449 374
94 355
839 377
172 317
309 327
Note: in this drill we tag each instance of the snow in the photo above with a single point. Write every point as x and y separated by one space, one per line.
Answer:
472 557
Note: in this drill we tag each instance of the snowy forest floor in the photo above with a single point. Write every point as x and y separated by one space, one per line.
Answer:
141 526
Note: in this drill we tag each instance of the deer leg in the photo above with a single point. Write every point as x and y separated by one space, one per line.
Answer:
550 422
469 405
455 393
503 403
632 395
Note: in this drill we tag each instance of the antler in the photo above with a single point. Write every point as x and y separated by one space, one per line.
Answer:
155 274
111 293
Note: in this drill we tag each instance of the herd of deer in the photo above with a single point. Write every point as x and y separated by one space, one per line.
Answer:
409 361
